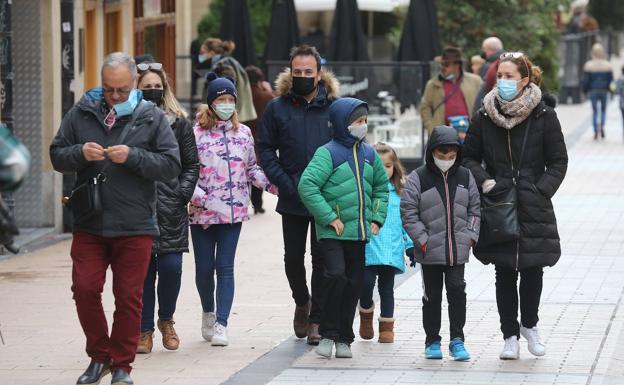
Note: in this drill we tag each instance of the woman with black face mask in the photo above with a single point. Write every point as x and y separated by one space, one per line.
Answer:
173 197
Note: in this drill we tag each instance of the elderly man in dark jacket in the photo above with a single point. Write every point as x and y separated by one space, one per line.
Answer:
119 146
293 126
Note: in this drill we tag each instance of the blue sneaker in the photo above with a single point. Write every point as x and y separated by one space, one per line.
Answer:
433 351
458 351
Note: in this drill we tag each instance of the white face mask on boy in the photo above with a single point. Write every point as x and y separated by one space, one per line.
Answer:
444 165
358 130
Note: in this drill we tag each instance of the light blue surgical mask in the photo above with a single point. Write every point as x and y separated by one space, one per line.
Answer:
127 107
201 58
224 110
507 89
450 77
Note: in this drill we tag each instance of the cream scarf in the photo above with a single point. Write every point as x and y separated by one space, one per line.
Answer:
509 114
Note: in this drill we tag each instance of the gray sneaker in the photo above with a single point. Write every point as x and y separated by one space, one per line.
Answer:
343 350
325 348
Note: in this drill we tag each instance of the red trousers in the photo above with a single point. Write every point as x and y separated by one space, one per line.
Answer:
129 259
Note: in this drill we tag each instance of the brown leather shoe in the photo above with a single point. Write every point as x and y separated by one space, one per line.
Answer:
170 338
146 342
313 334
300 321
386 330
366 323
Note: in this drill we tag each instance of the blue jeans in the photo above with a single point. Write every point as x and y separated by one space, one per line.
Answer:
599 97
215 248
386 288
168 268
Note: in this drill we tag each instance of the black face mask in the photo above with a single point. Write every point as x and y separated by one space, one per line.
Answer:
303 86
154 95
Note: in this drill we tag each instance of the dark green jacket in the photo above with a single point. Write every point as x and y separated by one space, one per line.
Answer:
346 180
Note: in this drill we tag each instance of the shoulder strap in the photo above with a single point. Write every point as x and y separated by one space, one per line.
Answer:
447 97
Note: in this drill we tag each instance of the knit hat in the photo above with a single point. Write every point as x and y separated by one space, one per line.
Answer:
359 111
219 86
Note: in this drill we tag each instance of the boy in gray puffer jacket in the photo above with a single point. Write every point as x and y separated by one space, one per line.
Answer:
440 210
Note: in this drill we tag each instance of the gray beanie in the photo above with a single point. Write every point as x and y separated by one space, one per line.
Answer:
359 111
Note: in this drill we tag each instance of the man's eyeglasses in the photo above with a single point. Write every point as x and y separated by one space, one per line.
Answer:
119 91
142 67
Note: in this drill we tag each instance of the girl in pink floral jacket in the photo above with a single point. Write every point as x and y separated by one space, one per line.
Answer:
220 202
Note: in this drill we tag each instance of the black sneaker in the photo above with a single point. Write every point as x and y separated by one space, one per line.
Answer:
93 374
121 377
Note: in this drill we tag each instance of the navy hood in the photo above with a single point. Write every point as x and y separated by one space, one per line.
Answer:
339 113
441 136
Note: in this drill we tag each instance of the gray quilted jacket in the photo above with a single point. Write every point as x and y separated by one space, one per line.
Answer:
432 203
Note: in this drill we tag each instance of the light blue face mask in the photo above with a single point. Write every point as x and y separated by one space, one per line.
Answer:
127 107
507 89
201 58
450 77
225 110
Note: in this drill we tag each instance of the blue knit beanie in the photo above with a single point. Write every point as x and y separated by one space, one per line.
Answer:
219 86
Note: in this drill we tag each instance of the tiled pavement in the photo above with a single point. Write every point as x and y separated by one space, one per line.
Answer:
581 316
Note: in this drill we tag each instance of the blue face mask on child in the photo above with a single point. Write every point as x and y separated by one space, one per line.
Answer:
127 107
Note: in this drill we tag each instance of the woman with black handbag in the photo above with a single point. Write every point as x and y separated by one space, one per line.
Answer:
517 137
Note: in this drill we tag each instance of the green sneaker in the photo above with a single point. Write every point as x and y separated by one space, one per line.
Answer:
343 350
325 348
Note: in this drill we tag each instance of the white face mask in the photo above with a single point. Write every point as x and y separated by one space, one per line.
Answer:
358 130
443 165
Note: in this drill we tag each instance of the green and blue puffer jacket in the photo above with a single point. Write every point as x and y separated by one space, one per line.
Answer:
346 180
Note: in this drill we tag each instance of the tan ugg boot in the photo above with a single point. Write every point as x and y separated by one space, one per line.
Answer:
366 322
386 330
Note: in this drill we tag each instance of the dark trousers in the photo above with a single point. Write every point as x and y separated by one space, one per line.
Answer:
507 298
128 258
434 277
168 269
599 112
256 197
295 233
385 286
215 249
344 273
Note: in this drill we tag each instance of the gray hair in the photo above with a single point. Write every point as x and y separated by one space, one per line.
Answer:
117 59
493 43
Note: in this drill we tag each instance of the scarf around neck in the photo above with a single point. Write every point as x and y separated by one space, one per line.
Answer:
509 114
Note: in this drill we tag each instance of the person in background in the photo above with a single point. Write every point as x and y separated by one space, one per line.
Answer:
491 49
262 94
293 126
451 94
171 210
345 188
619 90
597 79
476 63
219 53
113 132
385 254
220 202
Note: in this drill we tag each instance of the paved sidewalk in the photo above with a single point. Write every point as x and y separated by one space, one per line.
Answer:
581 317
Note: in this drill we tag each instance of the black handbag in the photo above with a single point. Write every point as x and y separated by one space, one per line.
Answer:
85 200
499 210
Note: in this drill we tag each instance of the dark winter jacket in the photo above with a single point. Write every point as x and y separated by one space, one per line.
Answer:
289 134
441 211
174 194
597 72
543 169
129 193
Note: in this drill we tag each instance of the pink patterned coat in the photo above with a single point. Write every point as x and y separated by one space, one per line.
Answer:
227 166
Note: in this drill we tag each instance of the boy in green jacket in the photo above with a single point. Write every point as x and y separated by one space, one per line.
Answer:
345 188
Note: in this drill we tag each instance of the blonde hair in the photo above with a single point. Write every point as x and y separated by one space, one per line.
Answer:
170 103
206 117
397 178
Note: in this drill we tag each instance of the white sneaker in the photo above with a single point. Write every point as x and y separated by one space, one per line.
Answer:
220 337
535 344
208 322
511 350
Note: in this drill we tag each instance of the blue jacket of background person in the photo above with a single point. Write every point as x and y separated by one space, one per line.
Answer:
290 132
388 247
